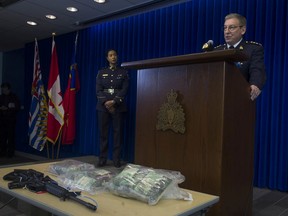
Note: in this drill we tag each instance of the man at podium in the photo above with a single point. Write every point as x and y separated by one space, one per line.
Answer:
254 69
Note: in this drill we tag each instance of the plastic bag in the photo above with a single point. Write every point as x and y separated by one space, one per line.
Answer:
91 181
147 184
174 191
69 165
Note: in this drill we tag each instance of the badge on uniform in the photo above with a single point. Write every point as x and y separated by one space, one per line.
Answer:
238 64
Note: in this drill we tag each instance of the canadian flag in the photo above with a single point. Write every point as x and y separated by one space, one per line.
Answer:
55 118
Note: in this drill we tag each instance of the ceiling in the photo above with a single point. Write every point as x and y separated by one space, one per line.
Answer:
15 32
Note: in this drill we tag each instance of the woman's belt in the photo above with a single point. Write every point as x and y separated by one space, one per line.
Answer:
111 91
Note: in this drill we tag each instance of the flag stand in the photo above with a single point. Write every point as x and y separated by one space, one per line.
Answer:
52 151
47 146
59 142
48 150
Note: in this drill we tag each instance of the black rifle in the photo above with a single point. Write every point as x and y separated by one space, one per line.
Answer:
36 181
64 194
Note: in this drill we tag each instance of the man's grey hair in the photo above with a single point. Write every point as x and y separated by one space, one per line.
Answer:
242 19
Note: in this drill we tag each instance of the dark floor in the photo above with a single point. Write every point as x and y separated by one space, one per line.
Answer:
265 201
269 203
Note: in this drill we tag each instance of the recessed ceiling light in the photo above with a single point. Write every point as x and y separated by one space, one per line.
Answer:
31 23
72 9
100 1
52 17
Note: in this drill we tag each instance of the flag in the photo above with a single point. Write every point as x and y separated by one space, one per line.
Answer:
55 111
38 108
69 102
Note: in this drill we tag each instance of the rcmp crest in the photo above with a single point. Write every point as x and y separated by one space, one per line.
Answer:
171 115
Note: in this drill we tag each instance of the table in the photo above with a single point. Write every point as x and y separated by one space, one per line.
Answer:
108 204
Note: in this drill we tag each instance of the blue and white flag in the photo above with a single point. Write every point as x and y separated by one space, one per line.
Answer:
38 109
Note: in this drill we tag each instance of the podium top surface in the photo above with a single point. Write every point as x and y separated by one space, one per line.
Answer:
205 57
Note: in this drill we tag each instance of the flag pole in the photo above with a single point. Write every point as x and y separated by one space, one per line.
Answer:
47 149
52 151
52 145
59 143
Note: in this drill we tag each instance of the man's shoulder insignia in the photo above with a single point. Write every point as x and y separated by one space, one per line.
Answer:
253 42
221 45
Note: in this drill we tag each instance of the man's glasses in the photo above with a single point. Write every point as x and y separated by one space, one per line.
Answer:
231 28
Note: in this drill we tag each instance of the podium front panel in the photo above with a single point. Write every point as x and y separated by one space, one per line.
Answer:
215 100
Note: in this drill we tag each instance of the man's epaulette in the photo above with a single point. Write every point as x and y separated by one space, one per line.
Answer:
253 42
220 46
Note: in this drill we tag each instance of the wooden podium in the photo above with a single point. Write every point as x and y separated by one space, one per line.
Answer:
215 153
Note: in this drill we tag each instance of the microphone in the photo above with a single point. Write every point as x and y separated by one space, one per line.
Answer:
208 46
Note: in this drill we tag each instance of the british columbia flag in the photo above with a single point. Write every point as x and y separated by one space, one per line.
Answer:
38 108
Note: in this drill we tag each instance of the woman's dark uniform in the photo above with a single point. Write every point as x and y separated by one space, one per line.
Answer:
111 84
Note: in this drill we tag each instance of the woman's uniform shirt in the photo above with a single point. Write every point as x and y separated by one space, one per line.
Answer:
112 84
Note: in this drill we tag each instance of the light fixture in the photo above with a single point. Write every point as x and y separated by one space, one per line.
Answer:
72 9
100 1
49 16
31 23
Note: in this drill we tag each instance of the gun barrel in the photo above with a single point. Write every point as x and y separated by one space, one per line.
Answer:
87 204
61 192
